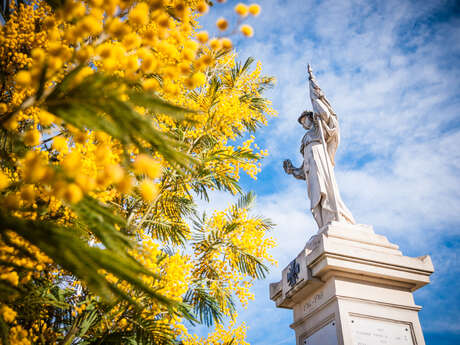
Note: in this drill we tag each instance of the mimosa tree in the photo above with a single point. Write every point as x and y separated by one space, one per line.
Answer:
116 117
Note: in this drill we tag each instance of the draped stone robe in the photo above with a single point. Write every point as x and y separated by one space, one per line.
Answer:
320 185
318 167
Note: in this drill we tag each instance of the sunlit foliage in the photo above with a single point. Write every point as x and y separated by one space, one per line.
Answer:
116 117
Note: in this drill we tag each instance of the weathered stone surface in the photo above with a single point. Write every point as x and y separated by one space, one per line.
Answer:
318 147
347 272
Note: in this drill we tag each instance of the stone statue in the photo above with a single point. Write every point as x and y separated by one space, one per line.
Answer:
318 148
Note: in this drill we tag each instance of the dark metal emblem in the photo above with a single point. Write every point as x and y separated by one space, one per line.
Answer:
293 273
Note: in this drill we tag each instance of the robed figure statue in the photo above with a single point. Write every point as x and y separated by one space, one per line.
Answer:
318 148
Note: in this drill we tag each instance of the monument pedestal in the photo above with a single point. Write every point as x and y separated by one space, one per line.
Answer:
350 286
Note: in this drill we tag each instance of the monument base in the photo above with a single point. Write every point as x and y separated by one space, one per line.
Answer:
350 286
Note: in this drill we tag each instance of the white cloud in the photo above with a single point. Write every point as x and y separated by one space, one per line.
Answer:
418 188
391 104
390 69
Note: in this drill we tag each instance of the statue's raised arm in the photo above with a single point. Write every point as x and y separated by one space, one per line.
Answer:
323 109
318 147
321 105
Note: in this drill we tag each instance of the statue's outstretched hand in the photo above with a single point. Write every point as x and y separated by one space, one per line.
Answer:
310 72
287 166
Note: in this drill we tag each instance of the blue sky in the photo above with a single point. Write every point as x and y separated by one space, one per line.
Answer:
391 71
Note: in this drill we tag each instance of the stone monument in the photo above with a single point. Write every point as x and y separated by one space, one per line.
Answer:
349 285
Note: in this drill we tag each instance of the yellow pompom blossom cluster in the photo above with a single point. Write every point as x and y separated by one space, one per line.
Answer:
242 10
30 263
221 335
247 235
175 270
61 162
27 257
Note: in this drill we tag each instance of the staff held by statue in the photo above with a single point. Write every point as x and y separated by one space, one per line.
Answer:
323 143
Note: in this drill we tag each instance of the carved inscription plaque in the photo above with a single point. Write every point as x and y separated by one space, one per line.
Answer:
378 332
326 335
313 302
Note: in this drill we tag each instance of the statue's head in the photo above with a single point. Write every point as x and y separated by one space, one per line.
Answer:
306 119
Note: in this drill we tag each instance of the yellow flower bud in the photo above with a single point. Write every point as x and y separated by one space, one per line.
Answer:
241 9
90 25
226 44
38 54
206 60
11 201
32 137
110 65
163 21
202 36
139 15
73 193
102 154
59 187
85 182
215 44
132 63
60 144
104 50
188 54
222 24
149 37
23 78
247 30
101 137
167 48
28 193
110 6
12 123
202 7
48 23
84 53
114 173
45 118
117 28
4 181
254 9
155 4
54 63
72 163
131 41
149 63
181 10
80 137
34 168
8 314
146 165
198 79
191 44
148 190
79 10
125 185
151 84
184 68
